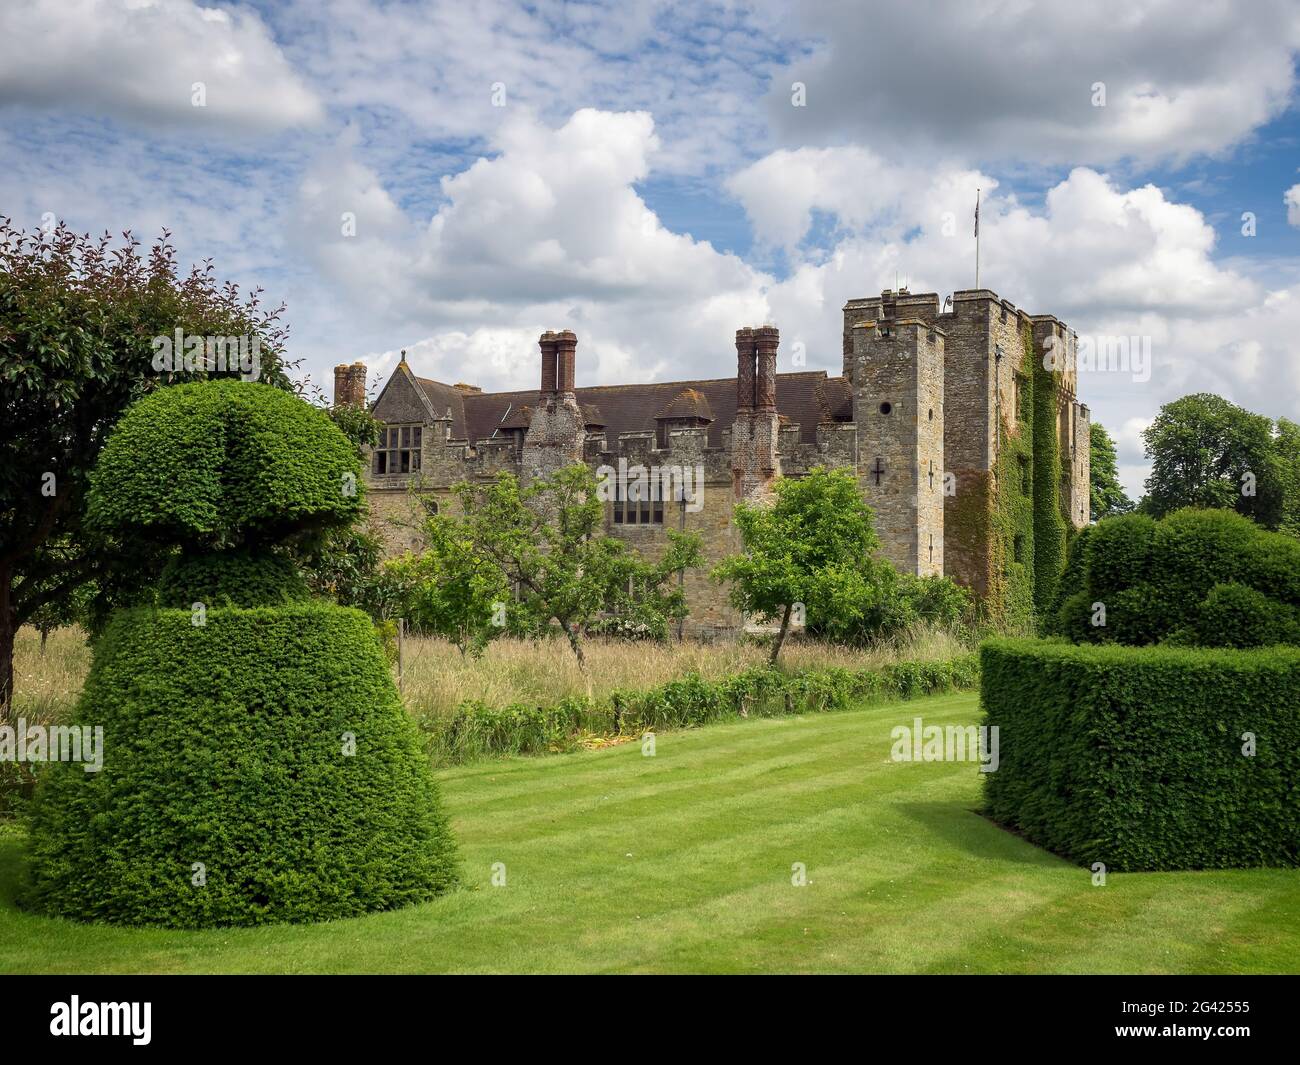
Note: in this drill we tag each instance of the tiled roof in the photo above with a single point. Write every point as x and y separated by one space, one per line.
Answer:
447 396
631 408
835 397
688 403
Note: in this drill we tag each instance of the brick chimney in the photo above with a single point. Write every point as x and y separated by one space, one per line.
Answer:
756 431
350 385
566 343
557 431
549 342
744 369
766 340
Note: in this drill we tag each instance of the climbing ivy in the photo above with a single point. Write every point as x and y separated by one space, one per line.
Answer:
1048 518
994 515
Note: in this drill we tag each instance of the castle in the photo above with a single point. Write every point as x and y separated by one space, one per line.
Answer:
965 446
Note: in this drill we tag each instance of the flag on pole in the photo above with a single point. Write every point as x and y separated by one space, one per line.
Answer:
977 212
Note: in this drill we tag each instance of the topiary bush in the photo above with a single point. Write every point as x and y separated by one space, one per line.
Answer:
1233 615
258 768
231 578
1136 757
223 462
258 764
1157 581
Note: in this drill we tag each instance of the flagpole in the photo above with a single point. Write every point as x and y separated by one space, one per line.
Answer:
977 238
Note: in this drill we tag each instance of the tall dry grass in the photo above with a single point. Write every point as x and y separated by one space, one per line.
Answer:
48 680
436 678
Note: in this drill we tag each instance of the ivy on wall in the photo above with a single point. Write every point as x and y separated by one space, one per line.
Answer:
1049 519
994 513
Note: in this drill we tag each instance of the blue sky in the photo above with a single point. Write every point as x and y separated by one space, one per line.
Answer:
642 173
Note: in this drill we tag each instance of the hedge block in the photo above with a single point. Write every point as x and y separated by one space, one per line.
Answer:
1133 756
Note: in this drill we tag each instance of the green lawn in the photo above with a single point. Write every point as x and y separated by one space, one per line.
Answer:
617 862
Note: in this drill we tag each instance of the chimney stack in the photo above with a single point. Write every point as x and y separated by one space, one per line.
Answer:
745 354
350 384
566 343
766 340
548 342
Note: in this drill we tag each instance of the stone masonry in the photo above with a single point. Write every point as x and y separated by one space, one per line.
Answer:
914 414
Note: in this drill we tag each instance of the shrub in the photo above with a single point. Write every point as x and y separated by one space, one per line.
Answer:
231 578
1155 579
474 729
1232 615
258 763
225 745
220 462
1133 757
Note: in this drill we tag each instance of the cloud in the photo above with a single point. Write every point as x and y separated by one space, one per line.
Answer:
1110 261
460 71
547 233
139 60
1016 80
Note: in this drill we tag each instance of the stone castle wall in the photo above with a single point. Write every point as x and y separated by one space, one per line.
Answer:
949 376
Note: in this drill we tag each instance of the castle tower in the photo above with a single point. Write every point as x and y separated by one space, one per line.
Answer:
754 435
898 394
556 436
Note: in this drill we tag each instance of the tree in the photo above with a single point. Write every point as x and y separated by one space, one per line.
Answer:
548 541
1287 449
455 590
1107 494
78 318
1207 452
810 548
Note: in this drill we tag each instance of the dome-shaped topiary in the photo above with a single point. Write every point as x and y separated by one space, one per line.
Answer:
1195 577
257 768
258 764
223 462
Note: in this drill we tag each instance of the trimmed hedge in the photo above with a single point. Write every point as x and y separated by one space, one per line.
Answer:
475 729
218 462
1206 577
224 744
1133 756
231 578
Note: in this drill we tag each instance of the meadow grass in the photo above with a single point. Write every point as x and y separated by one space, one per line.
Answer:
683 862
48 678
436 677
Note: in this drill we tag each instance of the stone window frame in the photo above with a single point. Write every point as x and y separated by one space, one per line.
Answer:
642 512
399 449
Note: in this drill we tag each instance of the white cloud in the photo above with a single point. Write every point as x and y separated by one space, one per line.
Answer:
548 233
140 59
1016 80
